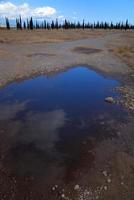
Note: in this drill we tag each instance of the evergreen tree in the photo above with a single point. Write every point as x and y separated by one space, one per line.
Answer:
45 24
56 24
24 25
31 24
28 26
69 25
65 24
17 24
20 23
126 25
52 25
7 24
48 26
83 25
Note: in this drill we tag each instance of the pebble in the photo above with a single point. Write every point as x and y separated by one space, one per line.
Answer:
118 133
122 183
53 188
76 187
104 173
131 108
105 187
109 100
109 180
63 196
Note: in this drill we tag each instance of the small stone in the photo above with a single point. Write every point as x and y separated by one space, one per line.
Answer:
131 108
56 186
53 188
105 187
109 180
104 173
118 133
63 196
109 100
76 187
122 183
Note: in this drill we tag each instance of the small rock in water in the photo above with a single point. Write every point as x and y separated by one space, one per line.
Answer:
131 108
109 100
118 133
76 187
102 123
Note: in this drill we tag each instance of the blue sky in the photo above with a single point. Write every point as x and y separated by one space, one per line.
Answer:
90 10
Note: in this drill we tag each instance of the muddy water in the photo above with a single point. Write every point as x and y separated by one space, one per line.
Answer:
45 121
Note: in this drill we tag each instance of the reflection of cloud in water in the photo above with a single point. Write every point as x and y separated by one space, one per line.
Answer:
9 111
42 128
31 141
38 128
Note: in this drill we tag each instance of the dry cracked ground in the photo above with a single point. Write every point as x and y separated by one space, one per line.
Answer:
110 175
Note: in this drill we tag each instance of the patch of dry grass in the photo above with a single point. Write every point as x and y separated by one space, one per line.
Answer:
123 50
126 53
86 50
42 36
123 47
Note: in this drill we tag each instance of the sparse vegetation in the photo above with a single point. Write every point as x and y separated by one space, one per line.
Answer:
126 53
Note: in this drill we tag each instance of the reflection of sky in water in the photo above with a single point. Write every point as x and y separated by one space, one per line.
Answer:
39 112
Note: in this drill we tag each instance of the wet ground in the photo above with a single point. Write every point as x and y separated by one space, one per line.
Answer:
50 128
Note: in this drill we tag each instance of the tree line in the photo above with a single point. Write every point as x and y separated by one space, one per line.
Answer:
31 24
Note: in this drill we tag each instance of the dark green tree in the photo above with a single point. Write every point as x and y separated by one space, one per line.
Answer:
7 24
52 25
83 24
20 23
28 26
56 24
24 25
31 26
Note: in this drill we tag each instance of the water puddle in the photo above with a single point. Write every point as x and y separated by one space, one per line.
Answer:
45 121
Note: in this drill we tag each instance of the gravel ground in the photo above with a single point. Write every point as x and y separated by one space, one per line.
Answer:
111 175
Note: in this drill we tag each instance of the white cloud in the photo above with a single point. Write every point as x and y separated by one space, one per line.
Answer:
74 16
10 10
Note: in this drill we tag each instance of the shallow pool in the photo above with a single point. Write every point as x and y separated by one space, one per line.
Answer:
44 121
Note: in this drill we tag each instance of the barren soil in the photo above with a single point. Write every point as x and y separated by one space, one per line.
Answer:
111 176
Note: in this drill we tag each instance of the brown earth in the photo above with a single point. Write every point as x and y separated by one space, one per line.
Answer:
106 166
